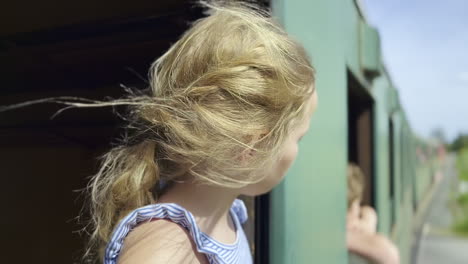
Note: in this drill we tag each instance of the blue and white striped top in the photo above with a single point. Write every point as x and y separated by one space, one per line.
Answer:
216 252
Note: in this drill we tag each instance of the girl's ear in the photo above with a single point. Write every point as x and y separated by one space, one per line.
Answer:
248 153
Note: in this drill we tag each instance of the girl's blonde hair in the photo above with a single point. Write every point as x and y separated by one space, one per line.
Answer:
232 76
355 183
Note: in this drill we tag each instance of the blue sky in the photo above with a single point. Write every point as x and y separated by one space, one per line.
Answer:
425 49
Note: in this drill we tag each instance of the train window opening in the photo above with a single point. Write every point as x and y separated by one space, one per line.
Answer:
88 60
360 134
261 251
90 54
391 175
403 166
257 226
414 165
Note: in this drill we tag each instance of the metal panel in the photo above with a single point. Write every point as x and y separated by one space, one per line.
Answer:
369 50
308 208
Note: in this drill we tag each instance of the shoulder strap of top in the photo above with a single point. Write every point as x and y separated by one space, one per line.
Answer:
241 211
170 211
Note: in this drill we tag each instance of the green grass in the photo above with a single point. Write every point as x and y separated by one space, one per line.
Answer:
460 225
462 164
460 213
462 200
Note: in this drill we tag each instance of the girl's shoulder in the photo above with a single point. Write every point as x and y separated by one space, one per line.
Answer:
160 241
174 234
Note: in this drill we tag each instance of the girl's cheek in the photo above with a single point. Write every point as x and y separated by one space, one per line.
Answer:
289 158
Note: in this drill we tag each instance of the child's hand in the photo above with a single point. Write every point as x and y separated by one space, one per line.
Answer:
362 219
352 218
368 219
362 238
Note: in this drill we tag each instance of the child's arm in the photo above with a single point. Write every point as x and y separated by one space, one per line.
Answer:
363 240
363 218
375 247
160 241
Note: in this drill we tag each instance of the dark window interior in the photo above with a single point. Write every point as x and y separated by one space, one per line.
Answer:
403 165
262 229
85 49
44 161
391 156
360 133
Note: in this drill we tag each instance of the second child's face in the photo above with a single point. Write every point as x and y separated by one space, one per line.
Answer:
288 155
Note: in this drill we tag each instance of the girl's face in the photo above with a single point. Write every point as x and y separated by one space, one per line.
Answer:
288 155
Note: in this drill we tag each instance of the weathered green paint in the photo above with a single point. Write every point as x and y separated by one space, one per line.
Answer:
370 48
308 208
351 19
380 92
397 164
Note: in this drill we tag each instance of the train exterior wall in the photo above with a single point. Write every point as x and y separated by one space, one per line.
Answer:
308 209
382 113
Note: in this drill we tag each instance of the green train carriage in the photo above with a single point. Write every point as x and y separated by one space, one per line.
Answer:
359 119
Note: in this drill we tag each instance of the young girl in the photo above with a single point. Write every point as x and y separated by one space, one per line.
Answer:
226 108
362 238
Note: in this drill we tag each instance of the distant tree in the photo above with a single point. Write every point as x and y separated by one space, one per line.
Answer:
460 142
439 134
